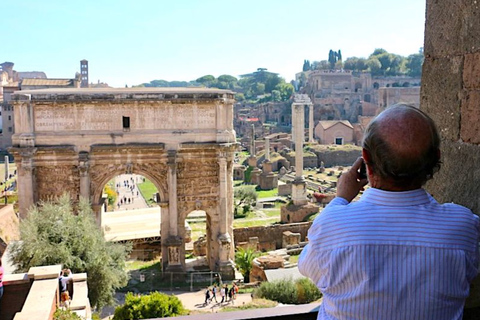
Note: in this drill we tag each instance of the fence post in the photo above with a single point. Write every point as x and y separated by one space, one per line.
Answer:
191 282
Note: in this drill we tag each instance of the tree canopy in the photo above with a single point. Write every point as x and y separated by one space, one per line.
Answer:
56 233
379 63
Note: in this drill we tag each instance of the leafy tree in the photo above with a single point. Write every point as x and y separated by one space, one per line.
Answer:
206 80
377 52
243 261
306 65
374 66
227 78
56 233
332 58
321 65
286 90
276 97
154 305
244 196
414 64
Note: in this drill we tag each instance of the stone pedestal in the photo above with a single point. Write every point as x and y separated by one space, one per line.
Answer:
226 266
252 161
173 248
299 192
255 176
268 179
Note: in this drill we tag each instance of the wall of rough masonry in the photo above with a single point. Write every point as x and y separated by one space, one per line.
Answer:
450 93
271 234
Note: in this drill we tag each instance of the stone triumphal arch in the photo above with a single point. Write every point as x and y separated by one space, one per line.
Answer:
182 139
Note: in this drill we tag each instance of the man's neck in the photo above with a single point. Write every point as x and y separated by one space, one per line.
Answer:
386 185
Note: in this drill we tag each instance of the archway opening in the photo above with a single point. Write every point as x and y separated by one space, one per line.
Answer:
130 212
196 241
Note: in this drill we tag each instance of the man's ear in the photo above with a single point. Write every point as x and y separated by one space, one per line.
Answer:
365 156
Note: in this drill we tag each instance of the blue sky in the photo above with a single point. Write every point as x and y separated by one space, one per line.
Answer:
131 42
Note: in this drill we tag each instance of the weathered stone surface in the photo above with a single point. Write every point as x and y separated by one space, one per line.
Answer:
182 139
470 117
293 213
457 180
442 89
290 238
265 263
452 27
200 247
471 71
270 237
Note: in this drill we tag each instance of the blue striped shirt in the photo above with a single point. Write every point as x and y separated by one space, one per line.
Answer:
392 255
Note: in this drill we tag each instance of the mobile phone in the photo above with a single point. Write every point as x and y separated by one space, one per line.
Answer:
363 171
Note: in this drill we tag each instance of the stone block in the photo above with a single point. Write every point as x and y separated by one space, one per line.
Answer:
457 180
200 247
471 71
470 117
451 27
290 239
443 105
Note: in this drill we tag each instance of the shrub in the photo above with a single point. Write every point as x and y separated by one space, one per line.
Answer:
61 314
154 305
307 291
288 291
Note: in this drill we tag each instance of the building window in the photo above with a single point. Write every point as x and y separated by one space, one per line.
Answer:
339 141
10 129
9 118
126 123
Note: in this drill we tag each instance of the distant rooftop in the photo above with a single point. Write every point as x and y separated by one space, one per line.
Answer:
329 123
47 82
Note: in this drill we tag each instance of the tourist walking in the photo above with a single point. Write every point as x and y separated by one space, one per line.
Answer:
223 294
214 291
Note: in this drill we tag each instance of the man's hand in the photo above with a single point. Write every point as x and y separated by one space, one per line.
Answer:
349 184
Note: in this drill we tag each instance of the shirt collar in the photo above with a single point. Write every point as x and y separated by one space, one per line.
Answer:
397 198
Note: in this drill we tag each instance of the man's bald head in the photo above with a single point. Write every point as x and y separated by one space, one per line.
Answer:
402 144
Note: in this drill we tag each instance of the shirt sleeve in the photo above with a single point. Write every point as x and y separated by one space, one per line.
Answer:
310 260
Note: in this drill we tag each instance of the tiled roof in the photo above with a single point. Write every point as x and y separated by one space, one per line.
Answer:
330 123
47 82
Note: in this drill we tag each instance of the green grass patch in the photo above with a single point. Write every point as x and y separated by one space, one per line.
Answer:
141 265
255 304
246 223
267 193
294 258
147 189
272 212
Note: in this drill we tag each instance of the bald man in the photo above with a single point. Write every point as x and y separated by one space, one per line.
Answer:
396 253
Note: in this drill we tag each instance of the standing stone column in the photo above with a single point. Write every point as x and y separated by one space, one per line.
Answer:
311 124
172 193
252 142
293 122
172 245
222 162
83 166
299 191
267 149
25 182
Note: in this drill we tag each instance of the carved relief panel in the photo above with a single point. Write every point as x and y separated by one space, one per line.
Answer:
53 181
